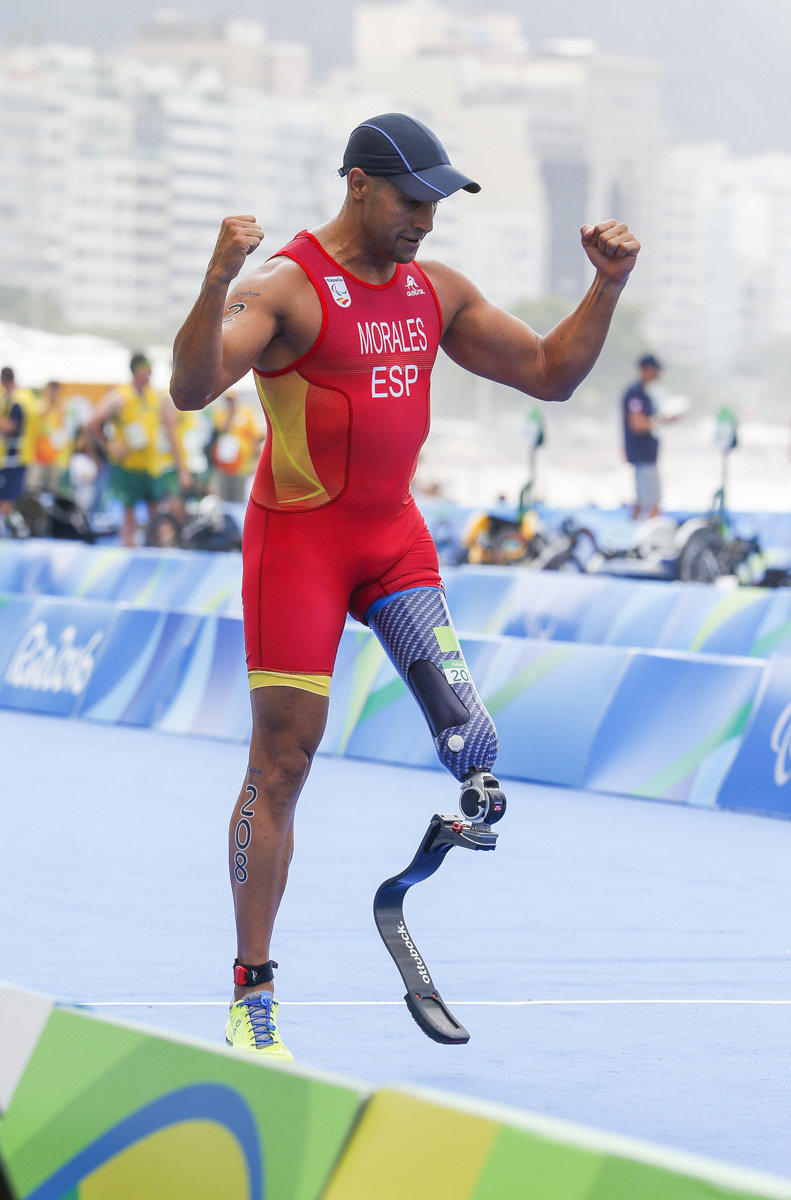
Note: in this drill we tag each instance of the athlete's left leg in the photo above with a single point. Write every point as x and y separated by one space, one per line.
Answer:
412 621
414 626
417 632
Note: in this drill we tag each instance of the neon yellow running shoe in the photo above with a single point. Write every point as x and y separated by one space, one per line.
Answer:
252 1025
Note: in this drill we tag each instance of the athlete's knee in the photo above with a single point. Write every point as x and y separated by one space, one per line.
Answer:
277 771
416 630
289 771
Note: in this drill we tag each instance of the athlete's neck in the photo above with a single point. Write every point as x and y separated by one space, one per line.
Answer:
345 242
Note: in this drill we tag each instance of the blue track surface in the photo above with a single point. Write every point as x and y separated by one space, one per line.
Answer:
619 963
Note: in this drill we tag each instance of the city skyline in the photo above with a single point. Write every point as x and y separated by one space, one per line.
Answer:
725 64
128 161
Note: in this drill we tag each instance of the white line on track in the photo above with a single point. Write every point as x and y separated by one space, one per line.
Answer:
396 1003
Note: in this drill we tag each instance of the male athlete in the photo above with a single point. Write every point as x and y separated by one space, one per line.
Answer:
341 328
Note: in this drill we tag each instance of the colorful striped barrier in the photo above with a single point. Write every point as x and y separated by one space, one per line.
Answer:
93 1110
703 729
109 1112
541 605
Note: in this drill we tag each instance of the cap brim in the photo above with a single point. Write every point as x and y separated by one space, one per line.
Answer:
435 183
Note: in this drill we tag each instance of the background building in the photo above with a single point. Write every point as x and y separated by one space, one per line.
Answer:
117 170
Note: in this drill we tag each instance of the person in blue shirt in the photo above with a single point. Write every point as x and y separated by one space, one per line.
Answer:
641 445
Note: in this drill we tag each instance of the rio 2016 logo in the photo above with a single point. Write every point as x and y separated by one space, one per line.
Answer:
781 745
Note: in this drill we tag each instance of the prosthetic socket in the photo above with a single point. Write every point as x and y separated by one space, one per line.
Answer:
416 630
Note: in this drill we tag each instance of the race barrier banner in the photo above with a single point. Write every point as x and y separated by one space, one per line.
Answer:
212 698
707 620
93 1110
773 635
525 685
493 1153
658 724
49 651
760 778
673 727
108 1112
147 656
556 606
193 580
640 613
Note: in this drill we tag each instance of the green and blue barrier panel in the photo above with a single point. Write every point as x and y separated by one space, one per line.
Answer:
540 605
96 1110
678 722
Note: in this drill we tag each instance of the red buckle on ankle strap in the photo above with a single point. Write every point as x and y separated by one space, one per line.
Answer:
240 975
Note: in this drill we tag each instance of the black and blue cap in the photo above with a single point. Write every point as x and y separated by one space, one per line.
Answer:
408 154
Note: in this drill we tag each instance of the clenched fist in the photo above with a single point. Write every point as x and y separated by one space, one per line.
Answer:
238 237
611 248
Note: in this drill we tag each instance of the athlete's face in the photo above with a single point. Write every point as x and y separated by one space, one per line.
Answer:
396 223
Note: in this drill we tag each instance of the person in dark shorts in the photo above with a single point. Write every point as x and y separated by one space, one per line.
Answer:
12 430
142 447
641 445
341 328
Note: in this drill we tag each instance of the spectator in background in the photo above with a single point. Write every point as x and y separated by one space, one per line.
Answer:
136 426
12 431
641 445
196 435
51 440
236 447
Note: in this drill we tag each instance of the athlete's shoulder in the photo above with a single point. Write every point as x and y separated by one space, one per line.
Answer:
275 285
454 291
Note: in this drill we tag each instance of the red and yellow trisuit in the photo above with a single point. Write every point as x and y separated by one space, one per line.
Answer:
331 526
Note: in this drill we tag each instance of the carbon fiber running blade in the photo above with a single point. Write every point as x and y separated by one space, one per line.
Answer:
422 996
435 1019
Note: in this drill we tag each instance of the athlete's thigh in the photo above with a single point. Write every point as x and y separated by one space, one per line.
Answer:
416 566
294 598
288 725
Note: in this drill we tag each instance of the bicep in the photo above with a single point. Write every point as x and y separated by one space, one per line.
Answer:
490 342
248 326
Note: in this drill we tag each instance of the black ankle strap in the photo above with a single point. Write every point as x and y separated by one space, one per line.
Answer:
245 975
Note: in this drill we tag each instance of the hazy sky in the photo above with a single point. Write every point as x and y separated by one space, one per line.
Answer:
726 61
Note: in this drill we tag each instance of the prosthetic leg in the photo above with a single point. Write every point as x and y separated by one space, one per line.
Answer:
417 633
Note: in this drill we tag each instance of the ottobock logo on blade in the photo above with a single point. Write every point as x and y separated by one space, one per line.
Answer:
339 290
41 666
781 744
412 288
420 966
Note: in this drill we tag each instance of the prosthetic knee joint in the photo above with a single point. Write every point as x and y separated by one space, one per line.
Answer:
417 633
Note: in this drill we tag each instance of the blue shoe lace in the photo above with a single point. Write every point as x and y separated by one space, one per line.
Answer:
259 1010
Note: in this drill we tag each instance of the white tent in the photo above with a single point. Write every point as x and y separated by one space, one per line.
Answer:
37 356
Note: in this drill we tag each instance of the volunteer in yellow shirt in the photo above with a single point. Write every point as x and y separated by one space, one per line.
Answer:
136 425
52 440
236 447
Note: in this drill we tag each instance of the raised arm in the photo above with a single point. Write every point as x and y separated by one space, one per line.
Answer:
487 341
223 335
